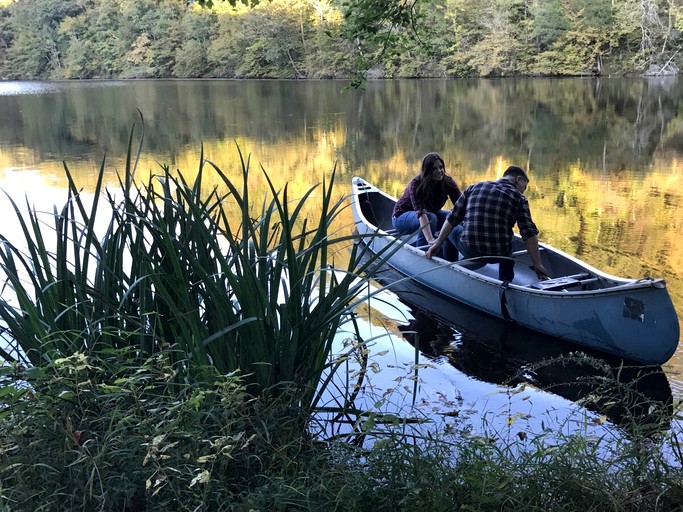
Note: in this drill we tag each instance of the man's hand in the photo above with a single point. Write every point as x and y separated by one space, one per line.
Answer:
541 272
434 246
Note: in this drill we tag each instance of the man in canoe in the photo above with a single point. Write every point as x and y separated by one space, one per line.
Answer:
482 219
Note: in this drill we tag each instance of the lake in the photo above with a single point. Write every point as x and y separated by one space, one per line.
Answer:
605 158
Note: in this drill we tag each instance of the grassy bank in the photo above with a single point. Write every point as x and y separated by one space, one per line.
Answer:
176 360
98 435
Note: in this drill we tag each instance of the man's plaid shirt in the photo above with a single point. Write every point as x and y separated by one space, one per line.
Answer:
488 211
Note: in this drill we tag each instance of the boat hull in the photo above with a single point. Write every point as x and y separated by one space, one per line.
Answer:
633 319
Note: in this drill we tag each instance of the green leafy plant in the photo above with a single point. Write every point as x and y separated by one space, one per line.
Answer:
87 438
187 269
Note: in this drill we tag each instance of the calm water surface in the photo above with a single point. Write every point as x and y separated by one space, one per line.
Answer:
605 157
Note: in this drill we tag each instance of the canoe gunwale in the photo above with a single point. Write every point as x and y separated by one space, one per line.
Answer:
440 264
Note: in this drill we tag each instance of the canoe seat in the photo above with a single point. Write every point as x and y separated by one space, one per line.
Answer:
524 251
559 283
555 284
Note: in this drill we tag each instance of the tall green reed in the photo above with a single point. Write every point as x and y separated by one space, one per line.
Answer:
173 269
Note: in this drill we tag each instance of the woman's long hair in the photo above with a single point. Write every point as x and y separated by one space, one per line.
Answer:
427 181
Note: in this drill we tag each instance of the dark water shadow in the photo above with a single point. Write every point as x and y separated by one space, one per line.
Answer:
635 397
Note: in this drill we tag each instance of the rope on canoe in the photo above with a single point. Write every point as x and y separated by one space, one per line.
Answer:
503 300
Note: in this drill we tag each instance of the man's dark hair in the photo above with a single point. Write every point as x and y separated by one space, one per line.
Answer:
515 172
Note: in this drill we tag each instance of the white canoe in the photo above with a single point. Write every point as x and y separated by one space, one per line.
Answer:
630 318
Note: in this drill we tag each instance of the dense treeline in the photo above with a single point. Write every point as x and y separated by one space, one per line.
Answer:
51 39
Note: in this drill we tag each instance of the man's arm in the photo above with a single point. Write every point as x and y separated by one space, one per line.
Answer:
443 234
452 220
531 244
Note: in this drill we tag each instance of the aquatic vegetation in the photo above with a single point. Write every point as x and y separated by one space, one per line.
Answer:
189 272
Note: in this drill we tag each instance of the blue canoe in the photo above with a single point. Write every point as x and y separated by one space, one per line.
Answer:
630 318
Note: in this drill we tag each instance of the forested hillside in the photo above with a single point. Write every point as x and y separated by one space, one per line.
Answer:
54 39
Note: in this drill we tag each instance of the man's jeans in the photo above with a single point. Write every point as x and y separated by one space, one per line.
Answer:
506 268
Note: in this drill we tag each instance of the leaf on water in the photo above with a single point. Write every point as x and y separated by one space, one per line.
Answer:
517 390
600 420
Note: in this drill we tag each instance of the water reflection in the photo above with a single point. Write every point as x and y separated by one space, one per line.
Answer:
635 397
606 155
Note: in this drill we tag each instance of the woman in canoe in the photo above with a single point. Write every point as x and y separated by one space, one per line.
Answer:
420 205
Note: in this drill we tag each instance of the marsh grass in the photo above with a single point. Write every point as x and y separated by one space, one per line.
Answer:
182 268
